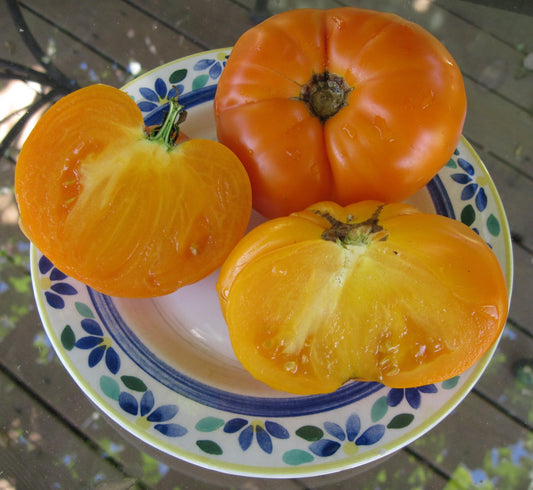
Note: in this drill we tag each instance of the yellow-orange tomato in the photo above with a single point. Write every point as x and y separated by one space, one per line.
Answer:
370 292
125 214
343 104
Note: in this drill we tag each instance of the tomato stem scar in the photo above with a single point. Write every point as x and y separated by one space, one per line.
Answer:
325 94
361 233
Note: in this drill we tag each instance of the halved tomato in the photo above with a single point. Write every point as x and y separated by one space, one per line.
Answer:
372 291
127 214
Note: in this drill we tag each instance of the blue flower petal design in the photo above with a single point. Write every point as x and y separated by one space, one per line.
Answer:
128 403
234 425
324 447
88 342
246 437
335 430
276 430
215 71
394 397
466 166
53 297
145 106
469 191
428 388
171 430
203 64
172 92
91 327
149 94
481 199
63 288
160 87
96 355
147 403
112 360
57 275
54 300
263 439
413 397
461 178
353 426
163 413
370 436
45 265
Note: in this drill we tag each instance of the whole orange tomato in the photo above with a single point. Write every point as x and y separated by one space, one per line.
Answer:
343 104
123 212
371 291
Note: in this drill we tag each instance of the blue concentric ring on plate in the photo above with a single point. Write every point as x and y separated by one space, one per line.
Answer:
211 396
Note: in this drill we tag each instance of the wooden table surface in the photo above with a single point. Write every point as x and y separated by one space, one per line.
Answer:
51 436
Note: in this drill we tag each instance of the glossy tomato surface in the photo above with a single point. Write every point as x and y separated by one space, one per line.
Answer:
400 102
370 292
120 213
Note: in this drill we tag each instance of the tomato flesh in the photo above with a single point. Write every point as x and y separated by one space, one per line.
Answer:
119 212
415 302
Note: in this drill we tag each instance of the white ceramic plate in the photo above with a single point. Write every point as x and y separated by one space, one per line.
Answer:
164 370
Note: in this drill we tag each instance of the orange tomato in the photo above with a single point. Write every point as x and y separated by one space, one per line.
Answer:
121 212
343 104
373 291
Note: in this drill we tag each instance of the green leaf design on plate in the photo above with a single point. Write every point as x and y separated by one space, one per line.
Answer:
493 225
209 424
110 387
310 433
134 383
68 339
199 81
295 457
451 163
450 383
379 409
400 421
84 310
468 215
178 75
209 447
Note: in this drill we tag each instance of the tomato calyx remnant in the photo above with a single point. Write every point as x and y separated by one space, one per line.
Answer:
361 233
168 131
325 94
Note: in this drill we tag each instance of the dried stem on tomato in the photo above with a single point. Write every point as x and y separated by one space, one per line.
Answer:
348 233
325 94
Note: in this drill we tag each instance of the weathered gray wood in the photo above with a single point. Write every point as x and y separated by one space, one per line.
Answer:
483 435
499 382
507 25
38 451
521 307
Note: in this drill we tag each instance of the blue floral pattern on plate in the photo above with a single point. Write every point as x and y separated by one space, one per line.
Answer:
340 431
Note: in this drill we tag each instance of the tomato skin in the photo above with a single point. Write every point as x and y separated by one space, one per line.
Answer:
123 214
419 302
401 123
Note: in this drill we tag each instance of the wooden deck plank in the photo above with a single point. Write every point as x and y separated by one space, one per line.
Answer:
212 24
27 353
521 308
116 30
47 456
509 26
499 382
488 441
